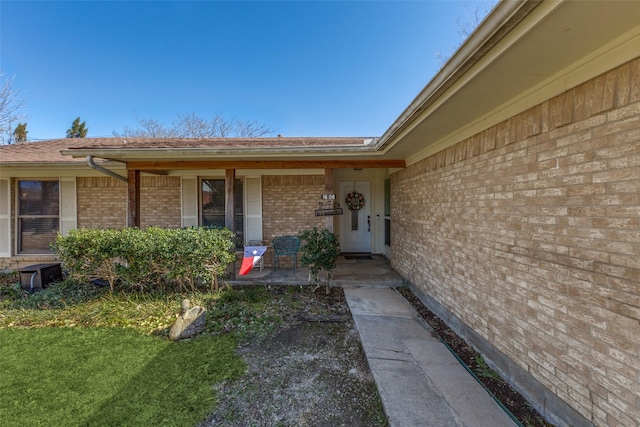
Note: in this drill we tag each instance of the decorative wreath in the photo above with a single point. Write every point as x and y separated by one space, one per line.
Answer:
354 201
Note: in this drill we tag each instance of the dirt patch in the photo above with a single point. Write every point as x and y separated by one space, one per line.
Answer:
310 372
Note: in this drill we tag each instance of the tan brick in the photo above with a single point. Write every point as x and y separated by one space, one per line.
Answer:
625 236
631 261
629 161
616 199
102 202
623 211
617 175
288 204
540 232
587 189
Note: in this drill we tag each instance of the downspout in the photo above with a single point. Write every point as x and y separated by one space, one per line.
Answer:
99 168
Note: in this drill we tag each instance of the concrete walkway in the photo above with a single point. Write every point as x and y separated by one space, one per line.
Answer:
420 382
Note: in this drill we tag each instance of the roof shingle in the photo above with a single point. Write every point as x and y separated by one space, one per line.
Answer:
49 151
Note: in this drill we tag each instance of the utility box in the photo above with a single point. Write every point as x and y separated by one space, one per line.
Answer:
36 277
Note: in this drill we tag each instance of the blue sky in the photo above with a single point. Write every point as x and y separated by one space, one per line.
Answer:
304 68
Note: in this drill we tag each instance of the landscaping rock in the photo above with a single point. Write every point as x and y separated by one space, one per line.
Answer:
190 322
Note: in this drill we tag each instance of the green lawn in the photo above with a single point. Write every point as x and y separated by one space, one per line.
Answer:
74 355
109 377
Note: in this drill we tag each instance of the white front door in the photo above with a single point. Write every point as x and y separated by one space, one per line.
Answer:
355 226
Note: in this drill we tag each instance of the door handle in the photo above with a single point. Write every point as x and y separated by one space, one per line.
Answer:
369 223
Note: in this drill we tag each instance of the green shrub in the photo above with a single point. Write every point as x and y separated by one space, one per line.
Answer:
152 257
320 249
10 292
9 278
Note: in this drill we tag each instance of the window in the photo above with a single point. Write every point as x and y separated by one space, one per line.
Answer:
38 215
213 206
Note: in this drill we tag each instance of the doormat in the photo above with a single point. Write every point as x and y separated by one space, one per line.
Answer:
358 257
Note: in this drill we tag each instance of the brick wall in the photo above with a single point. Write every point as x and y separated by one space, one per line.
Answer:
102 202
288 204
529 234
160 201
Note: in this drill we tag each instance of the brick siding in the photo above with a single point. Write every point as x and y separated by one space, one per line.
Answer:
288 204
529 233
160 201
102 202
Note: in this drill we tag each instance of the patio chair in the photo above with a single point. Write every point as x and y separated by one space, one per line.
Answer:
284 246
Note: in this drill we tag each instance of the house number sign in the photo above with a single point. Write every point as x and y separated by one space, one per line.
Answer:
328 206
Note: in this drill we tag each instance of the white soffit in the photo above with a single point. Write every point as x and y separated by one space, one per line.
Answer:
556 47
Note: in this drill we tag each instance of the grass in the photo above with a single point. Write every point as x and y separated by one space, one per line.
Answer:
484 371
108 377
77 355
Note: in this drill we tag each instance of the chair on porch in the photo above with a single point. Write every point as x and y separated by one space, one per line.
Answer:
285 246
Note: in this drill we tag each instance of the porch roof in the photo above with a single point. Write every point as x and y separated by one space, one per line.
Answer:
226 149
152 151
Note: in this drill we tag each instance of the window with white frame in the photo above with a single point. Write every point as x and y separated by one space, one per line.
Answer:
38 216
213 205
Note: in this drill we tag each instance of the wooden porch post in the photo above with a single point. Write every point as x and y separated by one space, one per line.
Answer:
328 189
133 198
229 206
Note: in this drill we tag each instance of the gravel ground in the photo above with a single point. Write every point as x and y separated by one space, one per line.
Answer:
310 372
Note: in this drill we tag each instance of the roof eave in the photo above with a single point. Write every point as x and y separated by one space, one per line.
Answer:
50 165
523 54
209 153
505 16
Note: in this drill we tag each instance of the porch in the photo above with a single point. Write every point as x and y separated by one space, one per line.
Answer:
351 270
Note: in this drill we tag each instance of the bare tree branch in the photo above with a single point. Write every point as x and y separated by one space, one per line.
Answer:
10 105
193 126
472 19
147 128
251 129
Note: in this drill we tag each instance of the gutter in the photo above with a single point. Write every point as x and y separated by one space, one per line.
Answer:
106 171
185 154
111 153
504 17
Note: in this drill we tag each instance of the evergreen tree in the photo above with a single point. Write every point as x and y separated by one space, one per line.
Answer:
20 133
77 129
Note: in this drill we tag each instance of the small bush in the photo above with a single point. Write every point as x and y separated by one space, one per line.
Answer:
147 258
10 292
9 278
320 249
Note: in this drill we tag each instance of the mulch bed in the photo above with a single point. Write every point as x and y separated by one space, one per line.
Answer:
512 400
